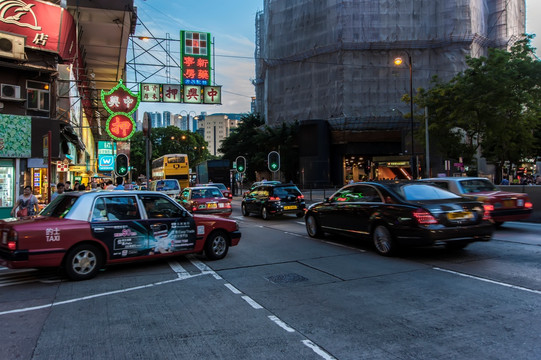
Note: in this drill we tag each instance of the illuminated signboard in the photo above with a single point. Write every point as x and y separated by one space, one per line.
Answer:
120 103
212 95
195 58
192 94
171 93
150 92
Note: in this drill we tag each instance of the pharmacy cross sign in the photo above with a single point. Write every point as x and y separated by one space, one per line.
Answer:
120 103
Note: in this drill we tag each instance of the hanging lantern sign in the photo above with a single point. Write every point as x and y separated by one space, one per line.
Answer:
120 103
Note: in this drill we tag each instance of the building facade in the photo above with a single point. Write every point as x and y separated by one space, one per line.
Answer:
332 69
54 60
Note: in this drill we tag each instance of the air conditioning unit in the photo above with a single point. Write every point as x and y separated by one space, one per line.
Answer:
8 91
12 46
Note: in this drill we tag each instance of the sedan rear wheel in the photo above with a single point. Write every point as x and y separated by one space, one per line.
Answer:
83 262
383 241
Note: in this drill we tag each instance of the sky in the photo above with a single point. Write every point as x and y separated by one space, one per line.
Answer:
232 24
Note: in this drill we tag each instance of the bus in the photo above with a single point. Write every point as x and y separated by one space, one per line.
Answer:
172 166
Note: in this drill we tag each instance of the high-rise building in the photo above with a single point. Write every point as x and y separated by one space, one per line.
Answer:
332 69
215 128
166 121
155 119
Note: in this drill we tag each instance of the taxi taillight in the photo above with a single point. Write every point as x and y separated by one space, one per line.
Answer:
12 240
488 209
528 205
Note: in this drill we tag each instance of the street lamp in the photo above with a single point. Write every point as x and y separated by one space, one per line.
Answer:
398 61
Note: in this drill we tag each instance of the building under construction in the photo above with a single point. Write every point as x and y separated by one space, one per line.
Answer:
329 64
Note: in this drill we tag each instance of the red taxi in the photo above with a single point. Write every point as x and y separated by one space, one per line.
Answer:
224 189
84 231
205 200
503 205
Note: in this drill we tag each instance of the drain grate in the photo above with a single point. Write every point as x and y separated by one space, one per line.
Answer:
286 278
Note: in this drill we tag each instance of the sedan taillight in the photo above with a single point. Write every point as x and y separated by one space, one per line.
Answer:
274 198
12 240
423 217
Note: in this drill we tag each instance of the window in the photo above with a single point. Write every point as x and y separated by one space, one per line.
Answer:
115 208
158 207
37 96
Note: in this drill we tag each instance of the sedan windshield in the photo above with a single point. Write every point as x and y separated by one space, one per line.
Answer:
425 192
477 185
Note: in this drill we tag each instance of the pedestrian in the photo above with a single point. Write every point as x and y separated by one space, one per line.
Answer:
68 186
81 187
110 185
27 204
119 183
60 187
538 180
505 181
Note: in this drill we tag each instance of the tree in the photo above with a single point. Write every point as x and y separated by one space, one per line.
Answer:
495 103
169 140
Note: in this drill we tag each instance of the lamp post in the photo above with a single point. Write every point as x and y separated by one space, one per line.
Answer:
188 113
398 61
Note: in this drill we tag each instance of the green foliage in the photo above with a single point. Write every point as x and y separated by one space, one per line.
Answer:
254 140
493 106
169 140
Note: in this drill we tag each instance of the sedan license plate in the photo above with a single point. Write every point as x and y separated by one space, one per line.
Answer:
212 205
290 207
460 215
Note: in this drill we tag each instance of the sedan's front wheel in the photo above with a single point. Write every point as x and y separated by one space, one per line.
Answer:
217 245
383 241
244 210
264 213
312 227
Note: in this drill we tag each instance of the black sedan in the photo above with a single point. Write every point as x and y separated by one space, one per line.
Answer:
395 214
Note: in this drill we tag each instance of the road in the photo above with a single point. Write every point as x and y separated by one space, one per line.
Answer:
283 295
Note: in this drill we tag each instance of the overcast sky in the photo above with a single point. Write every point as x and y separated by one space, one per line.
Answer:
232 24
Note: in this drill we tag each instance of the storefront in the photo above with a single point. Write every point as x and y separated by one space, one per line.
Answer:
15 144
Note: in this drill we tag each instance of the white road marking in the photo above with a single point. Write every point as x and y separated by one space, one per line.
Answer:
181 272
325 355
204 268
490 281
294 234
97 295
300 222
233 289
252 302
281 324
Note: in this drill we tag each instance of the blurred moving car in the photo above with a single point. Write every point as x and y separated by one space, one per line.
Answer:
270 199
205 200
83 231
503 205
224 189
396 213
258 183
170 187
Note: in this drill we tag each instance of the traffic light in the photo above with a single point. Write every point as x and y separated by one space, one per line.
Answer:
240 164
274 161
121 165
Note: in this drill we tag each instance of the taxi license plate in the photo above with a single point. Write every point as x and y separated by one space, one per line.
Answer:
290 207
460 215
508 203
212 205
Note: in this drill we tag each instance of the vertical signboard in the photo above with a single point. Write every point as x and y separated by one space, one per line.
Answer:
195 58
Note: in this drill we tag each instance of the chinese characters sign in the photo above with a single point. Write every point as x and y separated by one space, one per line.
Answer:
45 25
120 103
195 58
174 93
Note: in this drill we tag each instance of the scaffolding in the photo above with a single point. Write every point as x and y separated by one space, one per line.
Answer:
333 59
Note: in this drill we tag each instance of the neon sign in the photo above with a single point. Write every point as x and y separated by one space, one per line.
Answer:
120 103
195 59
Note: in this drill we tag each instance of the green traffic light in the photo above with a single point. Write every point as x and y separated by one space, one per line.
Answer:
241 168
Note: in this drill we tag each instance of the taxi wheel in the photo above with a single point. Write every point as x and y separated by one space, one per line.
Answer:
244 210
312 227
217 245
264 213
83 262
383 241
